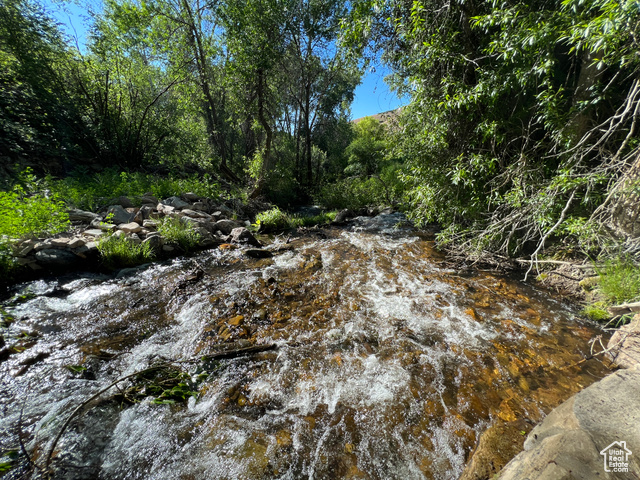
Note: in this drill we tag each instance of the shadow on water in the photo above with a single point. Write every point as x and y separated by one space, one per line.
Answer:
387 365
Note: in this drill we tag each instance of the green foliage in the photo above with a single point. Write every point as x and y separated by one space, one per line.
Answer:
167 385
25 210
596 312
273 220
94 191
276 220
174 231
500 140
120 251
367 150
620 280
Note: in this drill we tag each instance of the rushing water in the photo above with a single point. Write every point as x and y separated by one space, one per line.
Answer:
388 365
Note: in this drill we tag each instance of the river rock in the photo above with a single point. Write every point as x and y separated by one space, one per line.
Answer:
149 199
54 258
624 345
175 202
258 253
118 215
154 240
190 197
342 216
122 201
242 235
93 232
81 216
76 243
497 446
199 206
226 226
573 442
132 227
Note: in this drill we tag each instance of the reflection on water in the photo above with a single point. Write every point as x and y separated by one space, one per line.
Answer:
388 365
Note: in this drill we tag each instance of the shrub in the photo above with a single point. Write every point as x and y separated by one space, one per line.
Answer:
23 214
272 220
120 251
176 232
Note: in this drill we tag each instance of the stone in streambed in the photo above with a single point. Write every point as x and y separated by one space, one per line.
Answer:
569 442
257 253
242 235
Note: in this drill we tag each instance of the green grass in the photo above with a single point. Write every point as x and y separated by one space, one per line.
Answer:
91 192
275 220
177 233
619 280
118 252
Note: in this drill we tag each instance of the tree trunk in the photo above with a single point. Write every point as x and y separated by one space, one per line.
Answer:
266 154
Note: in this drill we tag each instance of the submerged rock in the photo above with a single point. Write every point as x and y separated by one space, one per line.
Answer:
573 442
258 253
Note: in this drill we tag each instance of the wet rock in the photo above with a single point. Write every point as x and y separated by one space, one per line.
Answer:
154 240
81 216
175 202
624 345
497 446
225 226
342 216
569 442
258 253
117 215
242 235
132 227
56 259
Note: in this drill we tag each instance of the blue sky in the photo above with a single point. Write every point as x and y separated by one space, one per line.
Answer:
371 96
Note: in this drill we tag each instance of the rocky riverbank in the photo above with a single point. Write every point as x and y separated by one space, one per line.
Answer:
215 224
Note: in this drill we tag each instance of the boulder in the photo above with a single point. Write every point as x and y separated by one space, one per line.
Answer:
149 199
624 345
175 202
81 216
122 201
57 259
342 216
258 253
190 197
199 206
242 235
132 227
117 215
151 224
154 240
226 226
579 436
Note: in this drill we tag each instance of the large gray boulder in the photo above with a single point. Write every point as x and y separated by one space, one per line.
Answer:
117 215
56 259
589 429
82 216
226 226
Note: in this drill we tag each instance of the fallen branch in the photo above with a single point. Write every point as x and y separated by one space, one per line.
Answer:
625 308
239 352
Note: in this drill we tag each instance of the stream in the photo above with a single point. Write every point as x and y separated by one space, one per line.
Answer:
386 364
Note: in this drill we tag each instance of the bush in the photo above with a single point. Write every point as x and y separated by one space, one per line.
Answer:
120 251
22 214
273 220
177 233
